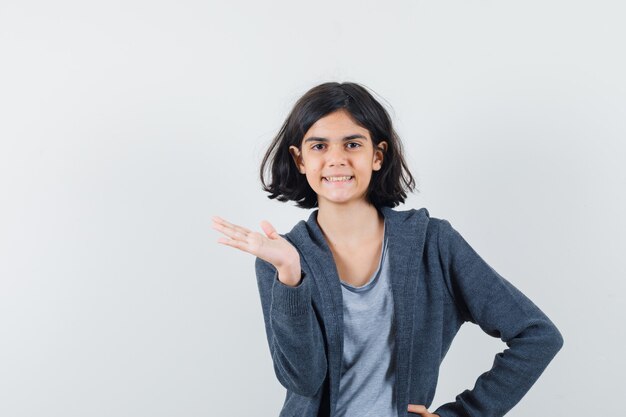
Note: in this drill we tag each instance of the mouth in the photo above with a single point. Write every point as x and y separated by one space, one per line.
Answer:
338 180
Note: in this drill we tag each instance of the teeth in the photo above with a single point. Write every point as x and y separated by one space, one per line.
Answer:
337 178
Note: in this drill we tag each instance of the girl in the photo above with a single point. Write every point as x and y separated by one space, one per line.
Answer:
361 302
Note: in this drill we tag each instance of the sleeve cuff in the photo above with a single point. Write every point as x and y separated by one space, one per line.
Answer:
289 300
451 410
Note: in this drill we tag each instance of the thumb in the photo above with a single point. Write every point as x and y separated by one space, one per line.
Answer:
269 230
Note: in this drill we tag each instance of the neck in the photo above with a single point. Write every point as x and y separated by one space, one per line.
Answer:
350 225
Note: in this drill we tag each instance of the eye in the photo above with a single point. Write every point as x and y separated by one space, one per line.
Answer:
358 145
317 144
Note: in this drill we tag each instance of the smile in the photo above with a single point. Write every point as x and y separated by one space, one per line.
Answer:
338 179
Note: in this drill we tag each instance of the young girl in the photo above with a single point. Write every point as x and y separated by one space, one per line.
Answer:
361 302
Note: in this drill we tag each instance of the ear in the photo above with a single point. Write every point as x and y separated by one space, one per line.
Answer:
297 158
379 153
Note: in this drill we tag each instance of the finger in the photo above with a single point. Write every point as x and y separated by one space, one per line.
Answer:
234 235
418 408
232 231
232 243
219 220
226 241
269 229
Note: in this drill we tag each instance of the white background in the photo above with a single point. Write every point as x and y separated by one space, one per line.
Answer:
125 125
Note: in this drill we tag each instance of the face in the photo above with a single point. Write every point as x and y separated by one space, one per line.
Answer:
336 146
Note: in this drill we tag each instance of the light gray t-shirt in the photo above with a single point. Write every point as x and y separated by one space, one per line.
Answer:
366 388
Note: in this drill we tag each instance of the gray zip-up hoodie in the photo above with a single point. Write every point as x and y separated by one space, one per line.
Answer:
438 283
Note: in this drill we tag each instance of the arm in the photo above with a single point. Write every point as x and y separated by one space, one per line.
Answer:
293 333
501 310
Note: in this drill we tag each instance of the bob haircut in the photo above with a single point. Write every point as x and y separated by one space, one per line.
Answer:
387 187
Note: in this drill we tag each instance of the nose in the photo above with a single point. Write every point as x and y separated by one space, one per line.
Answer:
336 155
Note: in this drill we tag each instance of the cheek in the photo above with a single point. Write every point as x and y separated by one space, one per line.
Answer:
312 177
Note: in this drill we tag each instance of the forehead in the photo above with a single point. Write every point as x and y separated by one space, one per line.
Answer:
336 125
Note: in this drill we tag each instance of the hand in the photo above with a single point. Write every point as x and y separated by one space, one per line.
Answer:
270 247
420 409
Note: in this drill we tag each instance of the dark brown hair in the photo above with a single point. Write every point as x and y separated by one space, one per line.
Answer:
387 187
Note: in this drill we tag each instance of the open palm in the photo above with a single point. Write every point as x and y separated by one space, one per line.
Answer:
270 246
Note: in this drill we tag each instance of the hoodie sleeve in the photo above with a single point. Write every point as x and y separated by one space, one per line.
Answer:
293 332
501 310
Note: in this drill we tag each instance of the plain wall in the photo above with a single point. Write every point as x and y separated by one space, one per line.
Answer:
124 126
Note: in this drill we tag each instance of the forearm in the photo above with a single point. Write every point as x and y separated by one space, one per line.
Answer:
294 334
514 372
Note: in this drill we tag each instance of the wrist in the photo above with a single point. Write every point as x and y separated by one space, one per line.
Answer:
290 276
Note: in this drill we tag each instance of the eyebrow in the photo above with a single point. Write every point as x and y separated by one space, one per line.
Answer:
347 138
